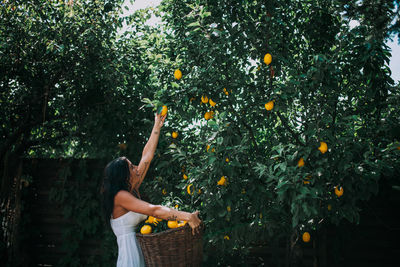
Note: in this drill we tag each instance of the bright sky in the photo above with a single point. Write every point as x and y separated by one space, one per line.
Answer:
394 45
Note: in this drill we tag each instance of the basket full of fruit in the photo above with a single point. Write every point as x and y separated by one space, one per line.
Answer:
169 243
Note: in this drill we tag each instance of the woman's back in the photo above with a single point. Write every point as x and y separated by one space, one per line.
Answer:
129 252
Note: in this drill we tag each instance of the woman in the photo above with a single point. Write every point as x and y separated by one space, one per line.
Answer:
123 206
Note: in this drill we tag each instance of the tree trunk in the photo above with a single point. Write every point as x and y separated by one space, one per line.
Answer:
10 207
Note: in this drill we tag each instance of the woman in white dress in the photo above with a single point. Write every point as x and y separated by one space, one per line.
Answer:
125 209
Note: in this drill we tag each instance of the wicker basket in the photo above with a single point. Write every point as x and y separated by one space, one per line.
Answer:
173 247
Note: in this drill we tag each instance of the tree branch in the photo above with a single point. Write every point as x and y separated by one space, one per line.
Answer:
286 125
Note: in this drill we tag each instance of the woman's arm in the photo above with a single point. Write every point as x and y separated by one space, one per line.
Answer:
131 203
149 149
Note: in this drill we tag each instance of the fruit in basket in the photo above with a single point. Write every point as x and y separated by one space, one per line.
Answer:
153 220
182 223
172 224
146 229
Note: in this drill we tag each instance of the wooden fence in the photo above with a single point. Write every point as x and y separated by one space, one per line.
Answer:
374 242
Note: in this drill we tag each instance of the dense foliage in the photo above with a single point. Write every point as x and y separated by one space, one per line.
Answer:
72 87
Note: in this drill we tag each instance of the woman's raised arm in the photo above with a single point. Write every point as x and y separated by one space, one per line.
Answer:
149 149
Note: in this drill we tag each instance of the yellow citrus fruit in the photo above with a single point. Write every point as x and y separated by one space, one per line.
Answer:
164 192
189 190
323 147
185 176
212 103
226 237
178 74
146 229
204 99
226 92
227 159
306 237
174 135
267 59
339 191
207 116
182 223
300 163
164 111
172 224
222 181
153 220
269 105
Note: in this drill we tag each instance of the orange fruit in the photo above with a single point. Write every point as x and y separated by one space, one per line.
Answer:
267 59
212 103
323 147
182 223
269 105
189 190
207 116
306 237
300 163
228 208
204 99
339 191
222 181
178 74
164 192
164 110
172 224
226 92
306 180
153 220
174 135
227 159
185 176
146 229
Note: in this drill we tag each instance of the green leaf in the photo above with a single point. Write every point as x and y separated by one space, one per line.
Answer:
194 24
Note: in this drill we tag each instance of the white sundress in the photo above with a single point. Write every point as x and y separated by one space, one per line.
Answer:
129 252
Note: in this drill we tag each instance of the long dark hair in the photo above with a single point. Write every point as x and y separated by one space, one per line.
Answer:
116 178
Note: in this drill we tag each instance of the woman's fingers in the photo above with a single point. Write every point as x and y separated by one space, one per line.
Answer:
195 224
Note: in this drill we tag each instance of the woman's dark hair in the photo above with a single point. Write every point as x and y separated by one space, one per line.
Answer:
116 178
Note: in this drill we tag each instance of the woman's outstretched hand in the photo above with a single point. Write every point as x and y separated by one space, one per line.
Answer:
194 222
159 120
